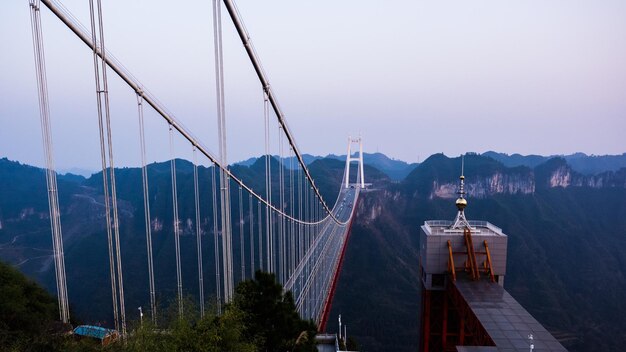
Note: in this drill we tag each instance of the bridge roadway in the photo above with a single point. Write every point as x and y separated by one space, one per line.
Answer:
312 282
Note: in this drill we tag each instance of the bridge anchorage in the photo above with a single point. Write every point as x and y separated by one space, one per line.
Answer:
284 226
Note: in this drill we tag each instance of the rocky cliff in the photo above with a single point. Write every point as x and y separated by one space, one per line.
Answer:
490 177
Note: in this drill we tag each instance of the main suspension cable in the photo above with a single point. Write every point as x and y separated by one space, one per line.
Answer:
69 20
235 16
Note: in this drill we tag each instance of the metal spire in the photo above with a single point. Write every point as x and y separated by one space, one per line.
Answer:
460 221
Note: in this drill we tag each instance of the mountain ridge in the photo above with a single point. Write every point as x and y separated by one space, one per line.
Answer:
566 238
580 162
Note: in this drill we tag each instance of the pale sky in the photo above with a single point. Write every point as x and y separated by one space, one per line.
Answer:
412 77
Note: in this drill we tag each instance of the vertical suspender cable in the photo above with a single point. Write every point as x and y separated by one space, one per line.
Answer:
251 223
179 279
110 197
198 232
241 236
218 283
146 205
292 213
260 231
221 127
268 186
306 228
51 181
305 215
300 227
105 182
281 206
116 225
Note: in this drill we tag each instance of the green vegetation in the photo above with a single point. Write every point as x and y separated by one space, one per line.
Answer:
260 318
270 317
27 313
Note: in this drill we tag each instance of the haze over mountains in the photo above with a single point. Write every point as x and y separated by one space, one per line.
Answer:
566 228
397 170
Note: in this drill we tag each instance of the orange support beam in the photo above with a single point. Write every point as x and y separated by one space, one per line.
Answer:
451 262
471 255
491 275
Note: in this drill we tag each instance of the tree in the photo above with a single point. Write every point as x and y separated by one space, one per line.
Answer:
270 317
27 311
211 333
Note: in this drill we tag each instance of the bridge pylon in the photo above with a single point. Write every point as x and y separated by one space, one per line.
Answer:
360 173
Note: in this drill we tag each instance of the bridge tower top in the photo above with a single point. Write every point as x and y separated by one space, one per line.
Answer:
360 173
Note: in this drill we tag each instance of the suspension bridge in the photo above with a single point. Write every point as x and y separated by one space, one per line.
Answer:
284 226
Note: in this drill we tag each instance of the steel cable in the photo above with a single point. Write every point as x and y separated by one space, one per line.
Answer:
146 205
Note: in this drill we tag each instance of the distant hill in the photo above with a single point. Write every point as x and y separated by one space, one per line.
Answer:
580 162
396 170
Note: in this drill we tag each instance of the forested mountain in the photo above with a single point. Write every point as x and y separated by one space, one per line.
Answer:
26 240
567 240
566 249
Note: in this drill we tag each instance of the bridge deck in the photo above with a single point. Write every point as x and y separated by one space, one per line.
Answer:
503 318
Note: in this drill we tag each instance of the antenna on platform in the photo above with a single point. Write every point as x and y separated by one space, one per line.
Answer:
461 202
532 345
462 165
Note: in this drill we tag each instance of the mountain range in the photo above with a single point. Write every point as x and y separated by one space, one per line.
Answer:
566 248
579 162
566 228
395 169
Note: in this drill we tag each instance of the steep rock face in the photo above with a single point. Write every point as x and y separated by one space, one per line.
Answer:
370 208
608 179
557 173
554 173
562 177
482 187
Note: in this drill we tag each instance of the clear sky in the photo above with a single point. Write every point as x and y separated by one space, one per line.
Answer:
413 77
